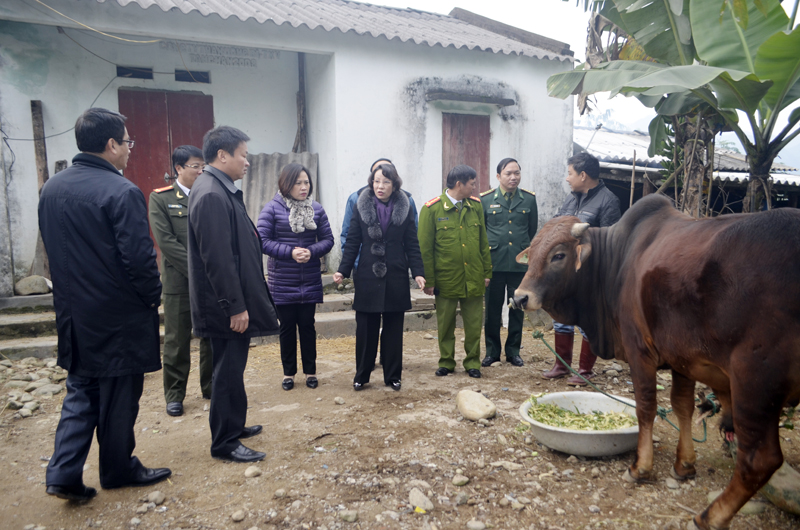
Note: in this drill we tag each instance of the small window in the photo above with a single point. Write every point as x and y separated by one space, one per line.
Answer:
133 72
190 76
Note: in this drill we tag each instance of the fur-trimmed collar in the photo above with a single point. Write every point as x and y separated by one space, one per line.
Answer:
369 214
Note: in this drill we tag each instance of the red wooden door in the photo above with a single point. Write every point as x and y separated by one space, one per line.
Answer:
190 117
465 140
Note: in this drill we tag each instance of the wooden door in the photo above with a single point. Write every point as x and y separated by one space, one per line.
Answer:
465 140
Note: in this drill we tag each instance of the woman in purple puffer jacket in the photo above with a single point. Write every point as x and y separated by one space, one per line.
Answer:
295 234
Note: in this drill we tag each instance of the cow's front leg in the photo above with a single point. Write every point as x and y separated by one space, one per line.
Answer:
682 399
644 384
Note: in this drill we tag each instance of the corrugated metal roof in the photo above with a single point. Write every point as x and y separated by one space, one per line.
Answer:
618 147
404 25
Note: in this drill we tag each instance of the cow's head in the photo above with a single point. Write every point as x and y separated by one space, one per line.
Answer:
554 257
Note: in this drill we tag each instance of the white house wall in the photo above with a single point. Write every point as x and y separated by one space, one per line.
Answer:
359 102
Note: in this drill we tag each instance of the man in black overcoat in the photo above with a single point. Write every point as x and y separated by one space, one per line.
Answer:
229 296
106 293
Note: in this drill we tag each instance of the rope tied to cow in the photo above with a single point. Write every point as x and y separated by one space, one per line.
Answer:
661 412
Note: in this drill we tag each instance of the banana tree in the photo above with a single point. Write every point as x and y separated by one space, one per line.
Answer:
745 60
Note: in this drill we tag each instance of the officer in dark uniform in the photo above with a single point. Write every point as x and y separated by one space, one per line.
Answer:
169 220
511 221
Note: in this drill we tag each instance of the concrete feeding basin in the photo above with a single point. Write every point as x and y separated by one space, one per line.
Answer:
584 443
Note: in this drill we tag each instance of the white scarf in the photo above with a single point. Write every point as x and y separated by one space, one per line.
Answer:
301 214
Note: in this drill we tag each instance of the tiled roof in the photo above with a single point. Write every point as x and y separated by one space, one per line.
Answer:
362 19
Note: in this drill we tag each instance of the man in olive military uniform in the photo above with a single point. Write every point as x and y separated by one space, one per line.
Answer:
511 222
455 252
169 209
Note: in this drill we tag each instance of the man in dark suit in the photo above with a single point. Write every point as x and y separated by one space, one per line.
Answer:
229 296
169 220
106 294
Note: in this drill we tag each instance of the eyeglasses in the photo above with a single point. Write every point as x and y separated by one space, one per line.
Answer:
129 142
195 166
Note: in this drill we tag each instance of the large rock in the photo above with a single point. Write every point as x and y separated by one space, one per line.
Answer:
48 389
32 285
417 499
783 489
474 406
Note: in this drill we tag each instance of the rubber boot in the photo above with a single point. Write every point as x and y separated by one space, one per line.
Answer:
585 365
564 349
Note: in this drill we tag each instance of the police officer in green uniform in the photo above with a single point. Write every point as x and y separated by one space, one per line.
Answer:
511 222
455 253
169 209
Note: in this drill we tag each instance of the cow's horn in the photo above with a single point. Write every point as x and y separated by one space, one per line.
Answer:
578 229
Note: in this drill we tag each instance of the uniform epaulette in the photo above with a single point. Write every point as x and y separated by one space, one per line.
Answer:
433 201
475 198
165 188
487 192
526 191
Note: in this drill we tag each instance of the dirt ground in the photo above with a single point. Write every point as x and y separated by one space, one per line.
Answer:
366 454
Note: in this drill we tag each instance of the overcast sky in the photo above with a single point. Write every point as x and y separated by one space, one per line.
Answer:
566 22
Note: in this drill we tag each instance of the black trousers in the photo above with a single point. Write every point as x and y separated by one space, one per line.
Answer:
368 333
294 318
110 405
501 287
228 397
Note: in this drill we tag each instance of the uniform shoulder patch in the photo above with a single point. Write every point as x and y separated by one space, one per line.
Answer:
526 191
433 201
487 192
475 198
165 188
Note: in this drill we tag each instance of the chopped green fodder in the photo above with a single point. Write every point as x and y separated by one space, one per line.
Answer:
556 416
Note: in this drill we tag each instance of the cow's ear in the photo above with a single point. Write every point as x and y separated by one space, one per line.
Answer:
522 257
582 251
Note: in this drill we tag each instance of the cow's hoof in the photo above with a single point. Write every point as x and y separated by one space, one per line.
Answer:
627 477
692 526
690 473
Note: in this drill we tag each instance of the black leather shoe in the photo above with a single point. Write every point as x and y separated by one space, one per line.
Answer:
145 477
515 361
359 386
288 384
175 408
396 385
206 396
249 432
242 454
441 372
80 493
312 382
488 361
474 372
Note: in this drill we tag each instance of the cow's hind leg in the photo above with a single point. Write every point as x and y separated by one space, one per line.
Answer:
682 398
755 418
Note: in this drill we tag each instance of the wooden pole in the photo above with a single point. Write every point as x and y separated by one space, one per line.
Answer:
40 265
301 140
633 176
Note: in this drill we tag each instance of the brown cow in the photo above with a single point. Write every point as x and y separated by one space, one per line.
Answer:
717 300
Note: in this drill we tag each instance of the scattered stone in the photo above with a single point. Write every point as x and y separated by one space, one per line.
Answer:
16 384
37 384
504 502
136 521
510 466
560 511
25 413
595 472
348 516
252 472
528 440
51 389
25 397
593 508
296 505
410 406
612 373
21 377
421 484
672 524
516 505
428 336
417 499
524 500
156 497
6 363
15 405
672 483
238 516
460 480
32 285
142 509
461 498
338 400
501 439
572 459
279 494
472 524
482 421
474 406
616 366
31 406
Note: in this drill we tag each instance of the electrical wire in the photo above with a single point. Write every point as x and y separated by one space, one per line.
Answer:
97 30
64 32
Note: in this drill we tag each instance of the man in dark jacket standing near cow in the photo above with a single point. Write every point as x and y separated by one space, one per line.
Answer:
106 294
593 203
229 297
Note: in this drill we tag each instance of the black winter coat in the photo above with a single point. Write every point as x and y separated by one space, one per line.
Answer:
226 276
381 278
598 206
106 288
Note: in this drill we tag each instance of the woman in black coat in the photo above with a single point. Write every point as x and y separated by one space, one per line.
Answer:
384 228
